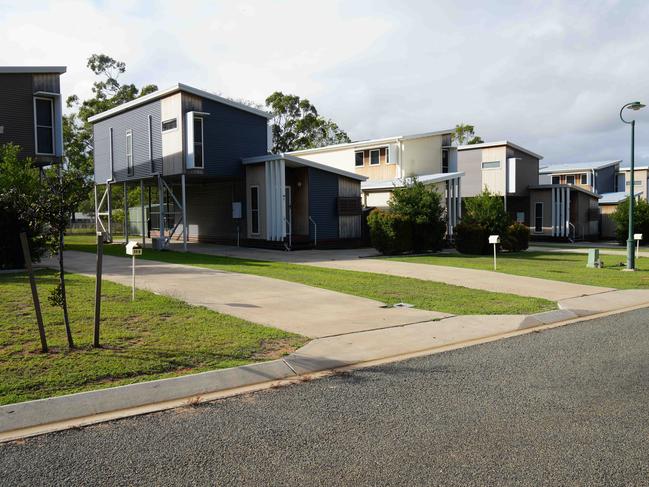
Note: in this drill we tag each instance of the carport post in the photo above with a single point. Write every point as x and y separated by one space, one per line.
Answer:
161 213
125 212
143 213
184 203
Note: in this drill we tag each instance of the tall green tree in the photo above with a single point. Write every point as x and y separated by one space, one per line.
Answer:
297 125
108 92
465 134
640 219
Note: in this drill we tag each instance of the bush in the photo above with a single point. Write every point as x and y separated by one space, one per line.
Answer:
621 218
471 238
390 233
487 210
421 206
516 238
20 192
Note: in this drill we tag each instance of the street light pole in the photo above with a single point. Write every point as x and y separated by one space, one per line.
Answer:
630 251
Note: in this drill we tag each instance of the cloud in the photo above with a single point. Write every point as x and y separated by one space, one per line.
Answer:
548 75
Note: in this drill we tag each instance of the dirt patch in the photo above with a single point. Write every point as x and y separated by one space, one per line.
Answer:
274 349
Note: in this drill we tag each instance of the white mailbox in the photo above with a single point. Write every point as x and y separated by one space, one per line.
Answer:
133 248
237 214
637 236
494 239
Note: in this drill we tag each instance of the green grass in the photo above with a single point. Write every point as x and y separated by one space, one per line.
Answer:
558 266
423 294
151 338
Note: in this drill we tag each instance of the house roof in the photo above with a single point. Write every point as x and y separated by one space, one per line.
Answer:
615 198
370 142
32 69
398 182
292 161
571 186
635 167
179 87
577 166
486 145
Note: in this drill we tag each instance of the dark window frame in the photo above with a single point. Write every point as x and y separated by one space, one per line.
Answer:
173 121
254 211
568 176
43 126
130 165
538 217
584 178
356 154
558 179
200 144
378 157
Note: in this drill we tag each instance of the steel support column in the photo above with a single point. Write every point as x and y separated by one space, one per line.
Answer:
184 209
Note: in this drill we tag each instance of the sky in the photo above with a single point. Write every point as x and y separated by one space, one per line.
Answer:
548 75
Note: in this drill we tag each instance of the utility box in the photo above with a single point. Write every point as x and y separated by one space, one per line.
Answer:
158 243
593 258
237 214
133 248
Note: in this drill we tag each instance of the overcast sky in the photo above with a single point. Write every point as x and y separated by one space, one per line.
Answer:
550 76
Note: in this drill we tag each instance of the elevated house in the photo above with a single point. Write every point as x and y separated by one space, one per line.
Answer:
204 168
598 177
31 111
390 162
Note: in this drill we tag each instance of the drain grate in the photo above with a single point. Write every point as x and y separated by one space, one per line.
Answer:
403 305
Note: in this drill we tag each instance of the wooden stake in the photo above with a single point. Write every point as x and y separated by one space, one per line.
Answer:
100 256
32 283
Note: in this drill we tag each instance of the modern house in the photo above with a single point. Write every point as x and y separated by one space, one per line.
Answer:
389 162
597 177
503 168
31 111
204 163
640 179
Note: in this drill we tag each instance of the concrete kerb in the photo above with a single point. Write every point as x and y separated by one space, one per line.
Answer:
41 416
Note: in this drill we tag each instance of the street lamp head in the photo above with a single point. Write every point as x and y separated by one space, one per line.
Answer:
636 105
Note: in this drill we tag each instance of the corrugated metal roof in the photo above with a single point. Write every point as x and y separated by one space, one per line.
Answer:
615 198
577 166
32 69
398 182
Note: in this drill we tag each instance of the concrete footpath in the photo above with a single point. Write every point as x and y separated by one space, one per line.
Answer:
310 311
356 260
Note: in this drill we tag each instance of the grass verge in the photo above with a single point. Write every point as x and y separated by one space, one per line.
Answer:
152 338
388 289
558 266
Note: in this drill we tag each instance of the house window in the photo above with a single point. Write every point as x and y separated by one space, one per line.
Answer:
359 159
198 142
254 210
556 179
584 179
444 161
129 152
111 156
491 165
374 157
44 119
538 217
386 151
169 124
570 179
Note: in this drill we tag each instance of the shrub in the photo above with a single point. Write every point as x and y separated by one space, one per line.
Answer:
422 207
390 233
488 210
471 238
621 218
516 238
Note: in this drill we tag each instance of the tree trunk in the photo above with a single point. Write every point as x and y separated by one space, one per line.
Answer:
32 283
64 299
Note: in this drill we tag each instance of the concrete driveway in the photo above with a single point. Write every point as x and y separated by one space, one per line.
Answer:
309 311
356 260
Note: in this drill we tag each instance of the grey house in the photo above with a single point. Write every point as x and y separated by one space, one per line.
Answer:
597 177
208 159
31 111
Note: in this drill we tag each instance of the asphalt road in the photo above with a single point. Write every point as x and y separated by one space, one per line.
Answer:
568 406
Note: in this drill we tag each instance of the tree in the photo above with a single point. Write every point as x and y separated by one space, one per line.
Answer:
297 125
465 134
640 219
64 189
487 210
20 192
77 131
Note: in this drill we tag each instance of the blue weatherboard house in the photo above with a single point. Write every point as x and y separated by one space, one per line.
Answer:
204 166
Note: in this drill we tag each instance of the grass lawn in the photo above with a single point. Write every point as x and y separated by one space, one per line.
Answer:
152 338
427 295
559 266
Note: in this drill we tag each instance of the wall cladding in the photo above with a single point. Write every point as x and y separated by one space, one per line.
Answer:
136 120
323 190
17 112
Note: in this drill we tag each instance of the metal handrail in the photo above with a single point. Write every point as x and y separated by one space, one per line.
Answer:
574 232
315 231
290 232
